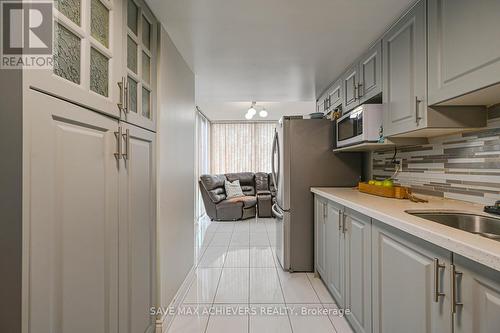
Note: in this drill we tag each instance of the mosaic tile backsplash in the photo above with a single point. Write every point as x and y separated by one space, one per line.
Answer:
463 166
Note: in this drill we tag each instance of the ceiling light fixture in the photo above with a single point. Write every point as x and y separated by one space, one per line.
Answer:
252 110
248 116
263 113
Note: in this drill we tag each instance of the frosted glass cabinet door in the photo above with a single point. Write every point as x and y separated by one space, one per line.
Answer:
139 69
87 55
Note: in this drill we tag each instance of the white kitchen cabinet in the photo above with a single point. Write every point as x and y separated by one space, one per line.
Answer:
462 55
139 45
320 207
405 73
87 55
70 222
335 252
477 295
408 274
370 73
358 274
137 229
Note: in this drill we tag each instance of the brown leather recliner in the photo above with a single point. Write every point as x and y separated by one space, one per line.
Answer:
254 186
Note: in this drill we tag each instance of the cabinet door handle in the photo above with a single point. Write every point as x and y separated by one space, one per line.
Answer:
118 136
126 136
121 85
341 216
360 85
355 89
437 267
417 110
127 95
454 301
344 223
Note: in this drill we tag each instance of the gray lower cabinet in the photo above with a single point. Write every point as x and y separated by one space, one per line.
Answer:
405 73
411 283
335 250
395 282
358 274
477 292
320 236
462 57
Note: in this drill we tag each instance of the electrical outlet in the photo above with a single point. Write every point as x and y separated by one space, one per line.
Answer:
400 163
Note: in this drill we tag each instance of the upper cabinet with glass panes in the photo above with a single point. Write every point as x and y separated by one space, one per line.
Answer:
105 55
140 41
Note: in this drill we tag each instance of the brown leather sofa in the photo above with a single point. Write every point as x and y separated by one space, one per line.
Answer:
258 190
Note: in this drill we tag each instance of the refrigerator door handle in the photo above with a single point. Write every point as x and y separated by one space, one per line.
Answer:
275 151
277 211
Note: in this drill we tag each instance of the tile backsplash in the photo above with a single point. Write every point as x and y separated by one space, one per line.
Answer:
464 166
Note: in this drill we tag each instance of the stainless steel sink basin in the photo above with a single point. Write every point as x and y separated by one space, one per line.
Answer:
485 226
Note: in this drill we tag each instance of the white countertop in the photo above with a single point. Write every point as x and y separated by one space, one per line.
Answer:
392 212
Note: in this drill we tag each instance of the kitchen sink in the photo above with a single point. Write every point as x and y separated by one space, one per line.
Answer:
485 226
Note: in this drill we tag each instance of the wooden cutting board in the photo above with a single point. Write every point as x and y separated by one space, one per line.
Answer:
397 192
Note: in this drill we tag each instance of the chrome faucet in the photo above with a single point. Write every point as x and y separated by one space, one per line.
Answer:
495 209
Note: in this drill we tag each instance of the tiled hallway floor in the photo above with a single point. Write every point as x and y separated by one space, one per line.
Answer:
238 286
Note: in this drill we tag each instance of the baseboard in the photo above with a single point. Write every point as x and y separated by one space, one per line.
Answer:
163 323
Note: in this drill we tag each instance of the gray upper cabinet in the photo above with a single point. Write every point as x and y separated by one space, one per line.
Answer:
464 53
411 283
477 295
350 81
404 73
335 94
335 252
370 73
358 274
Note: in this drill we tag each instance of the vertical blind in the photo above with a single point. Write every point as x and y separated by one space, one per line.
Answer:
240 147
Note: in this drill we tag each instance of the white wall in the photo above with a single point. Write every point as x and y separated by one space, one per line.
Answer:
176 157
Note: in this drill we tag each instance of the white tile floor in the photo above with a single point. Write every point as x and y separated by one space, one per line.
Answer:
238 286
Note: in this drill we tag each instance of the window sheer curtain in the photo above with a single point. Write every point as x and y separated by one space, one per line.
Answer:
240 147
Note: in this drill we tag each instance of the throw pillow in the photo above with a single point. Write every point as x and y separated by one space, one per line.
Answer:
233 189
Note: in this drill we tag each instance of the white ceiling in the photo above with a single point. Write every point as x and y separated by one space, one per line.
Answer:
271 50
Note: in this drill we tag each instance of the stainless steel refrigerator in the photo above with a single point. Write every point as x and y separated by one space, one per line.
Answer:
302 158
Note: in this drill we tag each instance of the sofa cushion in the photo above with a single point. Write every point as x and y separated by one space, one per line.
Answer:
217 194
248 190
233 189
248 201
213 181
247 181
214 184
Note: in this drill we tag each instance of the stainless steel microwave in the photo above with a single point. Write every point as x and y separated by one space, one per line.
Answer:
360 125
